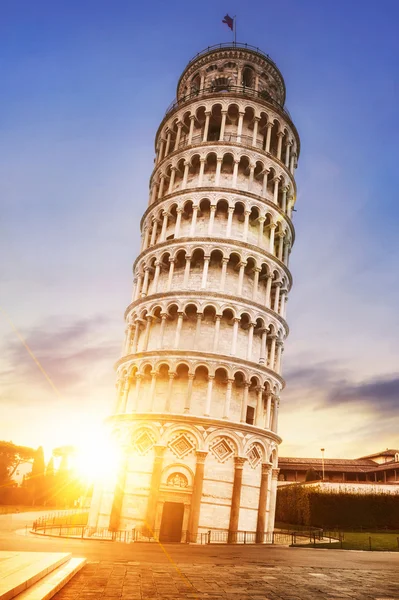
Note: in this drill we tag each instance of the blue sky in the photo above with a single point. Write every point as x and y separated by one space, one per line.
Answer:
84 87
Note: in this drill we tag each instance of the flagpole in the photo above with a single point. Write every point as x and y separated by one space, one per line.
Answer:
235 30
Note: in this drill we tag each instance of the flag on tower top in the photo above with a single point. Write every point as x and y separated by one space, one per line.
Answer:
229 21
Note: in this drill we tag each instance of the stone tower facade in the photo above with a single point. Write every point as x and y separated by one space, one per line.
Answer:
199 381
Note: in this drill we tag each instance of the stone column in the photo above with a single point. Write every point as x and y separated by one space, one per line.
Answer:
263 347
268 290
276 403
263 493
239 126
209 395
236 499
227 402
268 410
205 272
280 136
284 199
191 131
170 276
255 131
168 138
164 226
211 219
197 335
272 232
251 177
172 179
156 275
218 169
269 127
259 407
280 246
276 181
178 329
246 224
154 487
206 127
161 150
277 296
240 278
136 336
196 496
125 395
178 221
146 237
229 221
164 316
244 402
136 397
223 275
187 404
235 173
154 375
250 340
147 333
256 283
287 154
222 125
170 391
187 272
154 231
144 289
178 134
201 172
236 321
273 497
272 351
161 185
264 183
216 336
185 174
193 220
261 221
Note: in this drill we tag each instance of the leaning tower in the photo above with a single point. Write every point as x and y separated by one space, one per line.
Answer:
199 379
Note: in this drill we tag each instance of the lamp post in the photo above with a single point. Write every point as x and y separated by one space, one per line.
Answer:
322 461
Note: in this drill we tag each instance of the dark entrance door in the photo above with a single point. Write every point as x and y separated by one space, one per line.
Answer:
172 522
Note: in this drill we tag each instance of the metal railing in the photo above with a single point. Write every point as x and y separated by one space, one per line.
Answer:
233 46
241 90
142 535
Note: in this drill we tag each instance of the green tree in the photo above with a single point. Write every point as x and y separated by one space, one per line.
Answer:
36 479
11 456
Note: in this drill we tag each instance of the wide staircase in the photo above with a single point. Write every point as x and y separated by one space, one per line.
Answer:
35 575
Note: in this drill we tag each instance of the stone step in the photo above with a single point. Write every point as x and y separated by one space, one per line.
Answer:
21 570
48 586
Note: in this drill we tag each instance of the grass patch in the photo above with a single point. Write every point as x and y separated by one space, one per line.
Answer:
363 541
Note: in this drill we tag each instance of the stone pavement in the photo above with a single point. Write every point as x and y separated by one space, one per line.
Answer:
145 581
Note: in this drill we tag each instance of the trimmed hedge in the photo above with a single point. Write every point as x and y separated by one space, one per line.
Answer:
309 506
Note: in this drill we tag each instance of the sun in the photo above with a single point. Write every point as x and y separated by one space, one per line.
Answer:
98 457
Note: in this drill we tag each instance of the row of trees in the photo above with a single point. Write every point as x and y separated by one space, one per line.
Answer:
43 485
300 505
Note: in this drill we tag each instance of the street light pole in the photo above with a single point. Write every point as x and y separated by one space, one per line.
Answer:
322 460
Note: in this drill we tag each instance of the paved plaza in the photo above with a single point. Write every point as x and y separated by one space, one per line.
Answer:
140 581
177 571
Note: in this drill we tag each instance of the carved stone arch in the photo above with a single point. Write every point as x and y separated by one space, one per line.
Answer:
211 304
226 306
177 249
152 308
144 437
144 366
256 451
177 468
173 431
162 361
216 436
244 372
